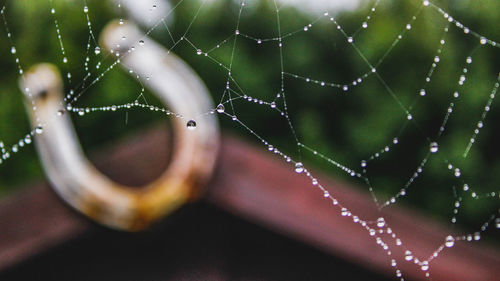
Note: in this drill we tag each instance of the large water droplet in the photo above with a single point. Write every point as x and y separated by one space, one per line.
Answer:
191 125
299 168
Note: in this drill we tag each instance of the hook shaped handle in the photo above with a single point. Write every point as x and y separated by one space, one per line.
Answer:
86 189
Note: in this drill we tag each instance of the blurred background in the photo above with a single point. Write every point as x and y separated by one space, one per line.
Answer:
347 127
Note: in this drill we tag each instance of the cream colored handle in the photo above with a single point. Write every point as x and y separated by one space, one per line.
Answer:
80 184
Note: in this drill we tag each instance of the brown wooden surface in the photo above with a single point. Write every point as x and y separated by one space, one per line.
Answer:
257 186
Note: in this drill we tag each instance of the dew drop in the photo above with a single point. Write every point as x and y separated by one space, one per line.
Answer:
424 266
39 130
199 52
477 236
220 108
497 222
422 92
85 9
380 222
191 125
97 50
408 255
450 241
299 167
483 41
13 50
141 42
433 147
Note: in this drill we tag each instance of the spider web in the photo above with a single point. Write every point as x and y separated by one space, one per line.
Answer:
423 104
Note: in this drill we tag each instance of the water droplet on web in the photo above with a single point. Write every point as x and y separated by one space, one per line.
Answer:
65 60
497 222
350 39
199 52
39 130
191 125
477 236
85 9
433 147
273 105
299 168
365 24
422 92
141 42
220 108
13 50
61 112
457 172
363 163
97 50
380 222
408 255
424 266
449 241
483 41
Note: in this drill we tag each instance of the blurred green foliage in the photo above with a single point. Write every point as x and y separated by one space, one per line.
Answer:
347 127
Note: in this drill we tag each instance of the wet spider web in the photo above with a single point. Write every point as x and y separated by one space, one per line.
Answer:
233 100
